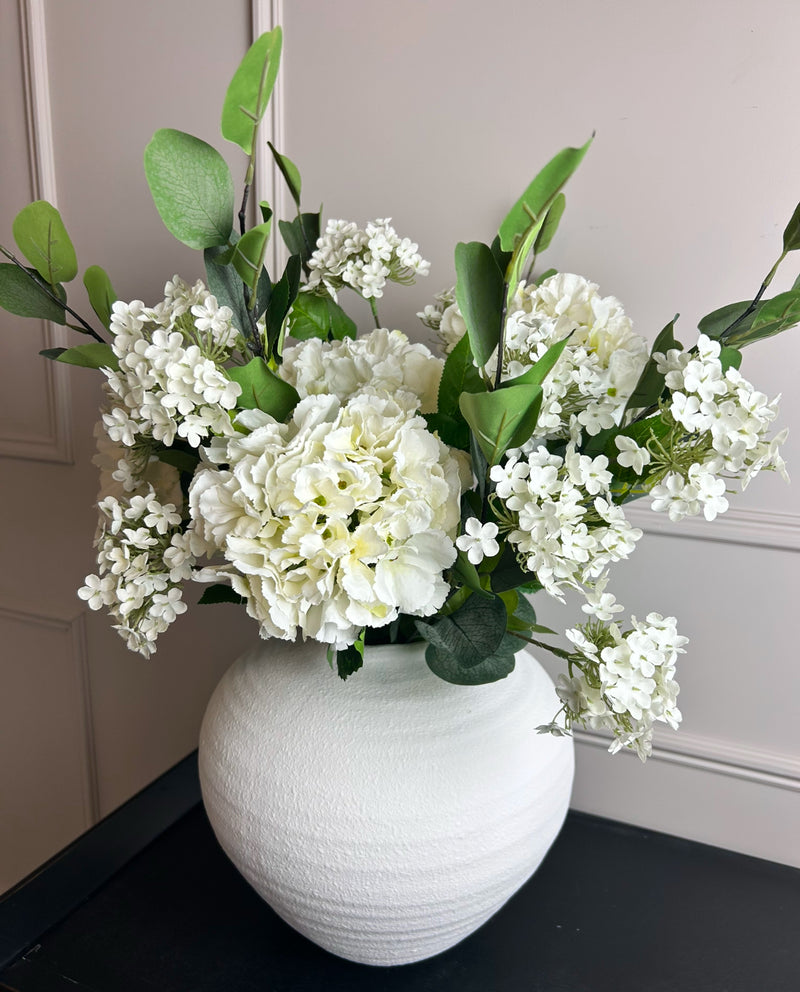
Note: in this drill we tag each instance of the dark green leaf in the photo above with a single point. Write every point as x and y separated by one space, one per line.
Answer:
88 356
479 294
651 381
539 194
101 293
301 235
730 358
191 187
350 659
496 666
470 634
509 574
501 257
314 316
451 430
791 236
250 89
263 390
545 275
289 171
249 255
503 419
770 318
714 324
536 375
468 574
550 224
284 293
43 240
224 282
20 294
183 461
458 375
263 293
220 594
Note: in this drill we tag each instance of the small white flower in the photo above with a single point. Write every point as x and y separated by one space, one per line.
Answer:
630 454
478 540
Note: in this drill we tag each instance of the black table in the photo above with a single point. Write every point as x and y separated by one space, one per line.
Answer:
147 901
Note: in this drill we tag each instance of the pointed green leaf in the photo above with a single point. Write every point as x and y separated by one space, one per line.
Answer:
503 419
550 224
714 324
191 187
301 235
545 275
289 171
479 294
224 282
20 294
43 240
541 192
250 89
452 430
313 316
730 358
351 658
536 375
96 355
459 375
651 381
284 293
263 390
791 236
250 253
101 293
770 318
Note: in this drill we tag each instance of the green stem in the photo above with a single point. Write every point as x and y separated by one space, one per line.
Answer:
764 285
374 307
558 652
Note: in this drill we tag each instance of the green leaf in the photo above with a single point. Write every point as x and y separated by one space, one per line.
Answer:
470 634
503 419
458 375
509 574
540 193
20 294
791 236
479 294
536 375
501 257
220 594
43 240
730 358
468 574
183 461
88 356
496 666
453 431
321 316
545 275
263 390
191 187
714 324
284 294
651 381
351 658
289 171
301 235
770 318
550 225
224 282
101 293
250 89
250 253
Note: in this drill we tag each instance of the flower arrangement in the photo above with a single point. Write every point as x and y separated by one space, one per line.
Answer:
359 489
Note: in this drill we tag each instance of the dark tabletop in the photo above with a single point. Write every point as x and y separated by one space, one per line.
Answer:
612 907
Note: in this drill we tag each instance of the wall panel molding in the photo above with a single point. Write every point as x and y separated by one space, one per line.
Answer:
753 528
56 444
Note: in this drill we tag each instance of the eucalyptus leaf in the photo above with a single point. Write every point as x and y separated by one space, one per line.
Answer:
263 390
43 240
503 419
22 295
191 187
470 634
96 355
250 89
540 193
479 293
250 253
319 316
496 666
509 574
289 171
101 293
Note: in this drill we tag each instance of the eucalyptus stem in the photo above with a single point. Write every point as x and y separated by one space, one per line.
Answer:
37 279
558 652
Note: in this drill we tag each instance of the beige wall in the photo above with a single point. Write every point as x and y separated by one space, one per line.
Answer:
437 114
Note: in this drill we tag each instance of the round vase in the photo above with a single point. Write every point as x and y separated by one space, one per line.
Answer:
388 817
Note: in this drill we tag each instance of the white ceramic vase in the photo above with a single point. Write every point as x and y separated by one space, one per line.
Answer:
387 817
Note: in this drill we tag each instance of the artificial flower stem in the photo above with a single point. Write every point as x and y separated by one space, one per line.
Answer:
374 307
764 286
558 652
84 328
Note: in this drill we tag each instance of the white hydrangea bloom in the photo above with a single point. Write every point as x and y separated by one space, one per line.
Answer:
366 260
379 362
342 518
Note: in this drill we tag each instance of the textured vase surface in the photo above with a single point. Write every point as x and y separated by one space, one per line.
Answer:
389 816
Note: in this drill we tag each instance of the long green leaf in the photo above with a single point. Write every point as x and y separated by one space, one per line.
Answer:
289 171
20 294
97 355
250 253
313 316
791 235
540 193
101 293
536 375
43 240
459 375
263 390
284 293
651 382
191 187
503 419
479 293
550 224
224 282
250 89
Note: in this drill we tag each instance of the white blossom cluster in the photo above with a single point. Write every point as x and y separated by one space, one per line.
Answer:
340 519
622 682
364 258
379 362
560 517
171 382
597 371
143 558
720 431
